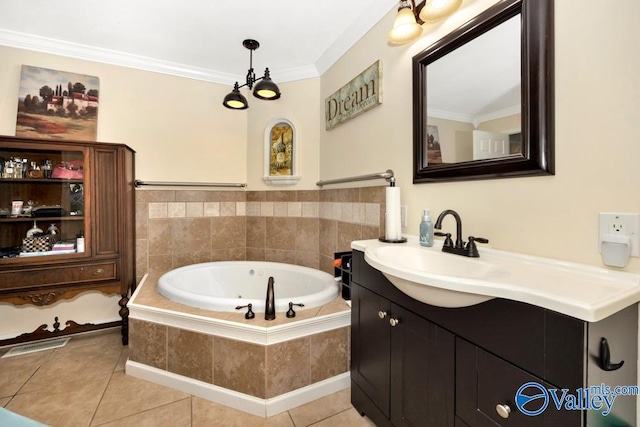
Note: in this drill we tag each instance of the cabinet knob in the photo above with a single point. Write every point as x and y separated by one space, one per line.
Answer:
394 322
503 410
98 271
382 314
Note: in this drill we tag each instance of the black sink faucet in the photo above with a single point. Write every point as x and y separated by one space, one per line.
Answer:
438 226
470 249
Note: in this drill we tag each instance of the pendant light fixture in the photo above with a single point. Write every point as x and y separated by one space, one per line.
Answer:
407 26
264 88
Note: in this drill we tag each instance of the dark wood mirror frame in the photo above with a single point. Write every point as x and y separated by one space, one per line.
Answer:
537 78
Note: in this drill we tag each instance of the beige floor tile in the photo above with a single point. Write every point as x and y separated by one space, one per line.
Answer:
69 364
4 401
107 336
176 414
126 395
209 414
120 366
348 418
62 405
322 408
15 371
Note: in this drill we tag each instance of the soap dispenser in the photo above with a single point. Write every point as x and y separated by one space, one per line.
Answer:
426 229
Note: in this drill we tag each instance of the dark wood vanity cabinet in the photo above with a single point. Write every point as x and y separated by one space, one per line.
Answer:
91 198
397 355
418 365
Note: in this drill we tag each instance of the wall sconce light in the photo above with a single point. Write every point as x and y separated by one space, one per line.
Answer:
407 25
264 89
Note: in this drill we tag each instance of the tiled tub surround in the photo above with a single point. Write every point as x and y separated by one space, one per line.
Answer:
257 366
180 227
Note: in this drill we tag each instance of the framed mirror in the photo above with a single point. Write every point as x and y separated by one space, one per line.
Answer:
483 97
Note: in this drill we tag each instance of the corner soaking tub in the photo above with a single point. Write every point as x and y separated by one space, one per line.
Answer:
224 285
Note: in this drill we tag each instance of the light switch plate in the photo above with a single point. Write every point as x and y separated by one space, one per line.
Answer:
624 224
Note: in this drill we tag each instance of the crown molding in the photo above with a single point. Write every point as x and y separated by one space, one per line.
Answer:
474 120
111 57
370 16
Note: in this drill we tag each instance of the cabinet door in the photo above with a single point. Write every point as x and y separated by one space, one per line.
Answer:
370 345
484 381
422 371
107 231
42 202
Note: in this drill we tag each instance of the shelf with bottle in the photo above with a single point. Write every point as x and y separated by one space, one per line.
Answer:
25 218
30 164
42 236
42 180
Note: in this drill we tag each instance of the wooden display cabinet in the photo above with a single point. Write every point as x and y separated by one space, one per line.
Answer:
92 199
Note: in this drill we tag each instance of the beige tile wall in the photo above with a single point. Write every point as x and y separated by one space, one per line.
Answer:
178 227
256 370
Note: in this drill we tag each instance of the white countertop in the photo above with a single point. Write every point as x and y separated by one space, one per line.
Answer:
581 291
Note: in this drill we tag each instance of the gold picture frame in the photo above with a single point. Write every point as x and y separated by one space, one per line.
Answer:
281 153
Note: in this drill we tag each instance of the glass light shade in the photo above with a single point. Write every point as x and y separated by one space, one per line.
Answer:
235 100
266 88
435 10
405 28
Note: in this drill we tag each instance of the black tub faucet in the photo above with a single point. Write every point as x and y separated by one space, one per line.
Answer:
270 305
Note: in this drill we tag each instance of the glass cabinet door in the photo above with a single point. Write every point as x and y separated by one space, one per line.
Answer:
42 201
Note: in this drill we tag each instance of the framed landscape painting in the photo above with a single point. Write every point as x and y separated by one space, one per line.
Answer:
57 105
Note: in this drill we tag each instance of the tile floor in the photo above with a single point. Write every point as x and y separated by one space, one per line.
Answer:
84 384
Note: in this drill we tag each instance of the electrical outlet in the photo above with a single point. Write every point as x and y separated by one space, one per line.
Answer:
403 216
624 224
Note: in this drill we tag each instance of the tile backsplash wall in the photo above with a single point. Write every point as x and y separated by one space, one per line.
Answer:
180 227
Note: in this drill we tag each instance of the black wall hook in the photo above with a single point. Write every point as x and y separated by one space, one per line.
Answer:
605 357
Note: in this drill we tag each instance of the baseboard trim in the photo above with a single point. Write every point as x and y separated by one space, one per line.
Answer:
243 402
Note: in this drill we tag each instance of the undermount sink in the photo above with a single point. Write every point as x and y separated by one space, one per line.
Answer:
448 280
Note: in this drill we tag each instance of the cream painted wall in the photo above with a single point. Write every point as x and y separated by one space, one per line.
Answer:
181 131
597 125
503 124
178 127
298 104
455 138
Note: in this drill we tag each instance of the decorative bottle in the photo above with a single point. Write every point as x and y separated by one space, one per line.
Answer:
80 243
281 150
426 229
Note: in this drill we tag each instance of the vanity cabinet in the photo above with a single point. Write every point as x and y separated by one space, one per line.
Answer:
398 355
462 366
87 200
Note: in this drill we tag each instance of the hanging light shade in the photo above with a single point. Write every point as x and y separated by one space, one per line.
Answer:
235 100
264 89
405 28
434 10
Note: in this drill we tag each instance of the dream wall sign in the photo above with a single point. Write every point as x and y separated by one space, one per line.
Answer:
359 95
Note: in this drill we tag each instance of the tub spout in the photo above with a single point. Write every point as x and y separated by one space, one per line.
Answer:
270 306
